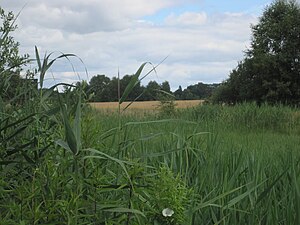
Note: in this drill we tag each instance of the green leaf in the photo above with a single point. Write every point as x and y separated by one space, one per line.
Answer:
211 201
37 56
43 67
242 196
70 136
269 188
77 123
120 162
133 82
125 210
5 163
63 144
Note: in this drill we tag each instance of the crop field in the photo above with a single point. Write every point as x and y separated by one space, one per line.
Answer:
147 105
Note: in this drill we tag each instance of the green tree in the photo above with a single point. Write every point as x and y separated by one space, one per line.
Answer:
270 71
201 90
99 86
10 60
178 93
152 91
104 89
165 86
188 95
136 91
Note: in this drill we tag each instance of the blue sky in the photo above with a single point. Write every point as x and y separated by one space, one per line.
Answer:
204 39
234 6
216 6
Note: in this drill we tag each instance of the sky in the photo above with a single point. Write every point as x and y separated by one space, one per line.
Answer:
202 40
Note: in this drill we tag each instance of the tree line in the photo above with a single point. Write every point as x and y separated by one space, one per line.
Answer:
104 89
269 72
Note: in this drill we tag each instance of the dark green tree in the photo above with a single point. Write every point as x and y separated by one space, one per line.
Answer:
99 87
201 90
188 95
152 91
104 89
11 61
165 86
136 91
270 71
178 93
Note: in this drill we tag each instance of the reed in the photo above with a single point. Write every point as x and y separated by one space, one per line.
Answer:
62 162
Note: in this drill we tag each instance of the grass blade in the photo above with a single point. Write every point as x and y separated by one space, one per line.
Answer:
70 136
133 82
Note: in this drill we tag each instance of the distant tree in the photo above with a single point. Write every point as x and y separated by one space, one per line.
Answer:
152 91
104 89
112 94
99 87
188 95
11 61
195 91
271 69
165 86
178 93
201 90
135 93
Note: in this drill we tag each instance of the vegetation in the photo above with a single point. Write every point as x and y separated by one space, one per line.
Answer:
63 163
212 164
10 60
104 89
271 68
196 91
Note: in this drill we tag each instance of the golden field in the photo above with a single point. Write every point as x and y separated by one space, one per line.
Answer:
144 105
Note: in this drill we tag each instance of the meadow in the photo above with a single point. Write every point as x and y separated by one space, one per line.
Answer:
209 164
240 164
64 162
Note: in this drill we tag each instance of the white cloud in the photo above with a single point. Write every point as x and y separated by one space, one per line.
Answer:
88 15
108 34
187 19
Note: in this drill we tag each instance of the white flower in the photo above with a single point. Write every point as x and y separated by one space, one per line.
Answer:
167 212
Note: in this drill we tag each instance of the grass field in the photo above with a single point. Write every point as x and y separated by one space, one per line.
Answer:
240 164
207 164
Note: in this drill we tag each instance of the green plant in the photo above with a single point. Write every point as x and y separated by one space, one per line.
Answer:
167 105
169 198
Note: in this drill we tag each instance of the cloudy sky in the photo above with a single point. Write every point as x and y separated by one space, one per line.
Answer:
203 39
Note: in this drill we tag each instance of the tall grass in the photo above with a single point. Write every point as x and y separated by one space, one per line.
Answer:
247 116
63 163
238 172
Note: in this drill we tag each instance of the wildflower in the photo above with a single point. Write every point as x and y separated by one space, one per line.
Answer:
167 212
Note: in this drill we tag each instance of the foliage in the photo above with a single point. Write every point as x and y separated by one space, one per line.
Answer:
151 92
167 105
196 91
104 89
99 86
237 161
270 70
164 187
10 60
178 92
165 86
